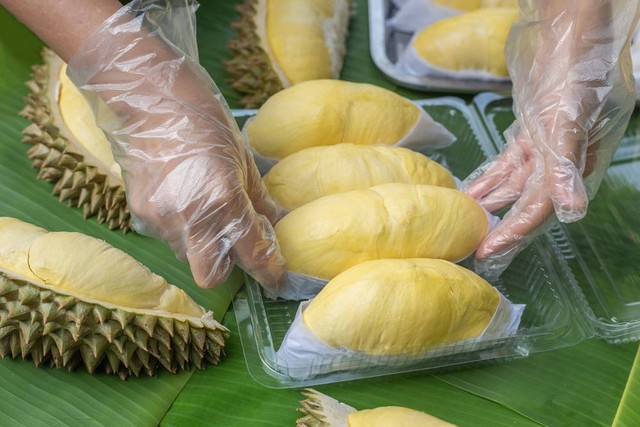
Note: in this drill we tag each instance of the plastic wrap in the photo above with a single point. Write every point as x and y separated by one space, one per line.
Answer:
573 95
304 355
190 180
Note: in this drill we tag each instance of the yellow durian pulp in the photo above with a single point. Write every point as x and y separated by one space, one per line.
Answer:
471 41
80 121
328 235
320 410
471 5
395 306
306 37
68 148
394 416
329 112
90 269
67 299
320 171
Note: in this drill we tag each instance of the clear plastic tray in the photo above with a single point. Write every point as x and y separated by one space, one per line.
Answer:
386 44
561 310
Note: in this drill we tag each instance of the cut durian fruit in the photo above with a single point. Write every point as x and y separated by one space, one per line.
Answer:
414 15
431 301
395 312
67 299
281 43
329 112
320 410
470 45
320 171
69 149
471 5
328 235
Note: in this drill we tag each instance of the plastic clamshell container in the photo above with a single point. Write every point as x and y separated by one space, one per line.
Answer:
578 281
386 44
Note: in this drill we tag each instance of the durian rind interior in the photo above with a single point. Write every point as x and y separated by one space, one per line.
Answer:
67 299
90 269
329 112
68 148
328 235
305 38
395 306
471 41
80 122
395 416
320 171
281 43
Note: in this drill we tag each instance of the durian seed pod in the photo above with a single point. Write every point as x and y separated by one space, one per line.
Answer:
279 44
69 300
320 410
83 172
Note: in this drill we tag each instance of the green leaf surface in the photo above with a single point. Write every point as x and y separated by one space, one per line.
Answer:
628 413
229 397
581 385
33 397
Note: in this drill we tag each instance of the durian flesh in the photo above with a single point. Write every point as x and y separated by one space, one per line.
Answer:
472 41
328 235
395 306
321 410
320 171
329 112
69 299
69 149
471 5
283 42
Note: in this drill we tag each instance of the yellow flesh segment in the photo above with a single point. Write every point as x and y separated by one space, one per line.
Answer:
79 119
319 171
330 234
471 41
393 306
470 5
85 267
394 416
296 38
329 112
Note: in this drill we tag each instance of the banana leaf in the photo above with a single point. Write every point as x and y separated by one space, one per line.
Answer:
588 384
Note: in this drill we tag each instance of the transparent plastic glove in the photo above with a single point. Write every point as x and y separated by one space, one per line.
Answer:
573 93
190 179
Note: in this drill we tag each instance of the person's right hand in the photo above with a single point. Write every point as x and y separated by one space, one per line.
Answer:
573 94
190 178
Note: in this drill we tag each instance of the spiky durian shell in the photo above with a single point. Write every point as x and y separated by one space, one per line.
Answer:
67 299
250 69
56 329
256 71
59 161
320 410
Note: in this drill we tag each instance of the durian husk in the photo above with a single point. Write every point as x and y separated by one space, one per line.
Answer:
79 178
321 410
255 68
45 315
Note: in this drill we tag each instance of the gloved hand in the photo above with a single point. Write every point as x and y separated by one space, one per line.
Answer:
190 179
573 93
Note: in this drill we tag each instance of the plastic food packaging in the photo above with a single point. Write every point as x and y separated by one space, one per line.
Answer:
573 289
